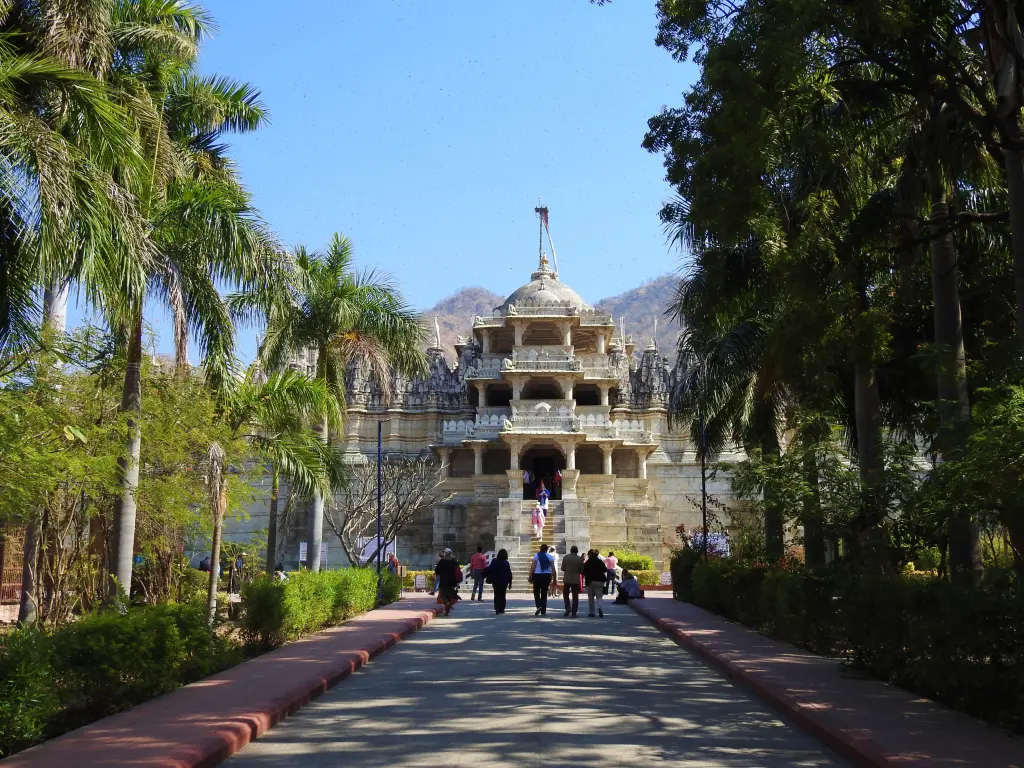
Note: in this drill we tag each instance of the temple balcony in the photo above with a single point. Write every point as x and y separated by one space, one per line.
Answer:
487 367
541 365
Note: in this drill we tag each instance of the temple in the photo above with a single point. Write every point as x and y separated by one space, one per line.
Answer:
545 388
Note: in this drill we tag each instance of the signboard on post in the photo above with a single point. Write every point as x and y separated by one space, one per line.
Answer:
666 578
419 582
323 554
302 551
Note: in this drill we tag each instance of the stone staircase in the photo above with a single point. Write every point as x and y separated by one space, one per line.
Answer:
553 533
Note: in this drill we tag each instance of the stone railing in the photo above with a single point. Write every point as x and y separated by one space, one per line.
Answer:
553 422
491 421
545 404
541 366
485 369
633 430
454 432
588 319
595 422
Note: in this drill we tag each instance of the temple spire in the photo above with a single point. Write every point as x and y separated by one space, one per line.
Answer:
542 215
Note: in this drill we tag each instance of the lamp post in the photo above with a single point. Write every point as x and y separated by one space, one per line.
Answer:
380 470
704 485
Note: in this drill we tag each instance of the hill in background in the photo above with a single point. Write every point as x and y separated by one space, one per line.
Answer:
640 306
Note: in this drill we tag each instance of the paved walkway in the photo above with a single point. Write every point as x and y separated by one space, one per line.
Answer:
868 721
202 723
515 690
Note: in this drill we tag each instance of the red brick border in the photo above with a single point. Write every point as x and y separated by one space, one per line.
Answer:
206 722
818 712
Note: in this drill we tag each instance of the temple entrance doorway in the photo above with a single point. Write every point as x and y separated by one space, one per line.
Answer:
542 462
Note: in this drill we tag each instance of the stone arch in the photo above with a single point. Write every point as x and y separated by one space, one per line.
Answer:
542 333
542 388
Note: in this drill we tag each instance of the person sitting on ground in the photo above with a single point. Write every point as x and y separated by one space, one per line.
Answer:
629 589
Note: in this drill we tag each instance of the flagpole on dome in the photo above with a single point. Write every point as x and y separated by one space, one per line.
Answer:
542 213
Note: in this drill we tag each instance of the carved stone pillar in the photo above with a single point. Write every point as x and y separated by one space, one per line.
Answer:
445 454
641 454
485 340
569 479
600 343
605 390
478 459
519 330
606 454
570 456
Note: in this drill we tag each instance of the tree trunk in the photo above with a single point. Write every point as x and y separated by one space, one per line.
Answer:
868 417
55 307
55 310
28 610
220 507
316 515
951 378
1014 162
125 510
774 534
814 534
275 490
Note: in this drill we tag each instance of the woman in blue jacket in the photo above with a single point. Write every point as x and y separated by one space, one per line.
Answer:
498 574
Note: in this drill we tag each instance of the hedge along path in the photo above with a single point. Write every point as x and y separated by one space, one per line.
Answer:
868 722
203 723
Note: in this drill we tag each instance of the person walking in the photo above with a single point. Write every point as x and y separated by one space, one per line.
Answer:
440 556
572 567
449 574
543 494
611 563
555 559
498 574
477 563
538 518
594 574
542 573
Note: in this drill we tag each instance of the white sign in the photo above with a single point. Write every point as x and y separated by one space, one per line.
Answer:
666 578
302 551
323 553
420 581
368 546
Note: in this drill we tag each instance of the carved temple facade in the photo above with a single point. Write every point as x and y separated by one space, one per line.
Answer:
546 388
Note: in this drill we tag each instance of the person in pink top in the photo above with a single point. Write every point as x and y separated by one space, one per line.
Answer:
610 563
477 563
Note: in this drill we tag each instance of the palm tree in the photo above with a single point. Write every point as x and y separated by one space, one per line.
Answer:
731 382
70 157
202 227
343 318
273 415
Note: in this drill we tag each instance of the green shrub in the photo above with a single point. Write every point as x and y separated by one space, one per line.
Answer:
275 612
108 662
28 700
681 566
262 622
634 561
958 645
99 665
647 578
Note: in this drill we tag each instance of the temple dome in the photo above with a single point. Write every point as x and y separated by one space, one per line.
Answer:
545 290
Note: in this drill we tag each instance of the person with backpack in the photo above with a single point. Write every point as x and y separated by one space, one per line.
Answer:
449 574
572 567
542 573
594 574
498 574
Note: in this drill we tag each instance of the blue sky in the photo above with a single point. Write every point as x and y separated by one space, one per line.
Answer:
427 131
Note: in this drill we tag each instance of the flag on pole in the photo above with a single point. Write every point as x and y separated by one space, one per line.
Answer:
542 211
